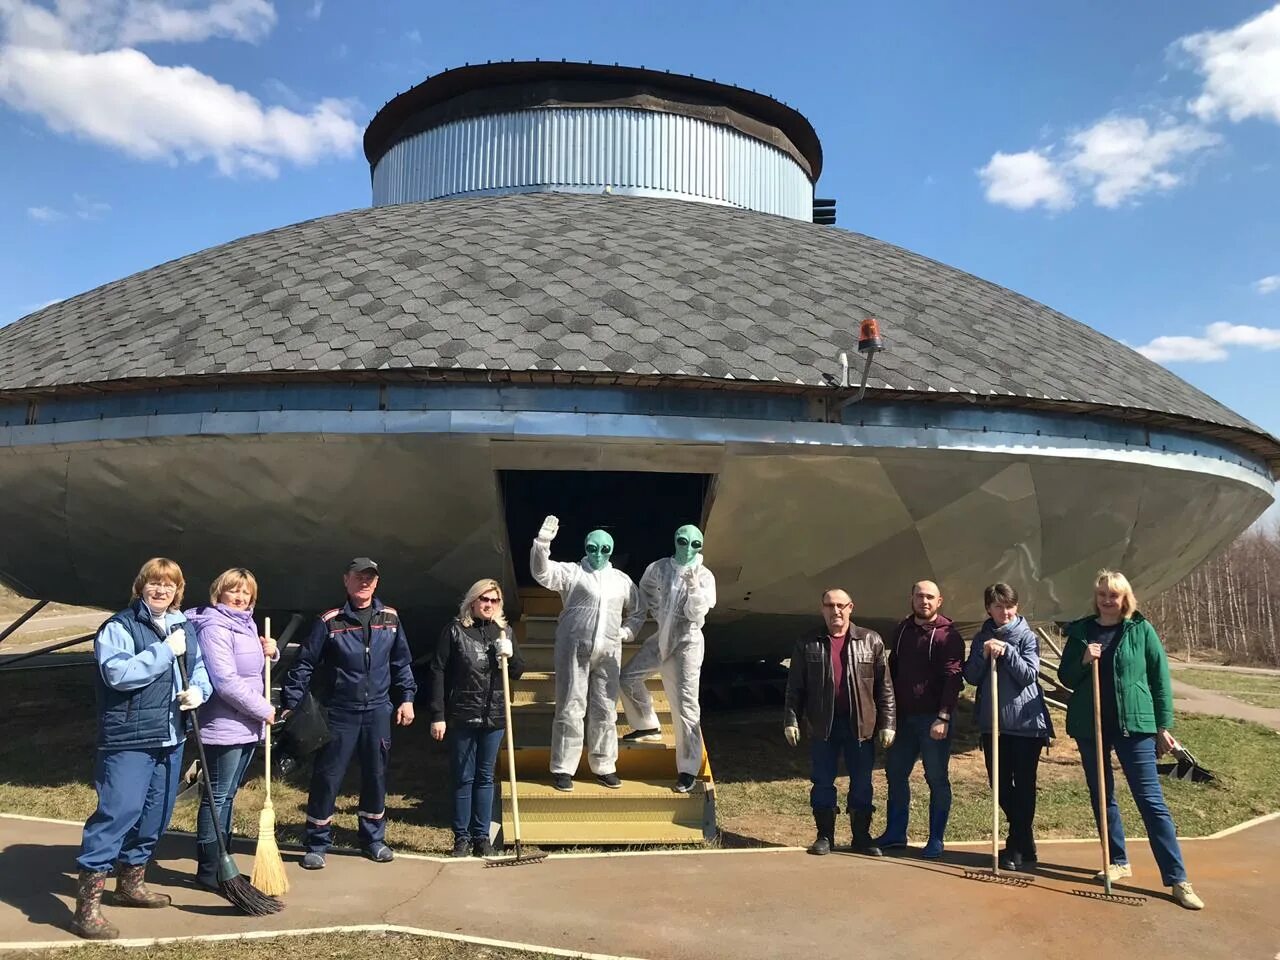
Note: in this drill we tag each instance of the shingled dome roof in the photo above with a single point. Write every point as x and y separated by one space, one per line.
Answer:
597 286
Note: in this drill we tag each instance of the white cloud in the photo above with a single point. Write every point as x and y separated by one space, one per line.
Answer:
1212 346
1240 335
88 208
71 65
1182 350
150 21
1024 180
414 36
1241 69
316 8
1117 160
45 214
1267 284
1121 158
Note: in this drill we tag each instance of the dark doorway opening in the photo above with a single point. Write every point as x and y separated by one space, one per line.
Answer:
640 510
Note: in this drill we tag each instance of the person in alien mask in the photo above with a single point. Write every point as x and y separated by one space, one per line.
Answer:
678 591
588 652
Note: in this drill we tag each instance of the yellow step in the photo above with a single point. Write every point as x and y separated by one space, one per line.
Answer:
641 811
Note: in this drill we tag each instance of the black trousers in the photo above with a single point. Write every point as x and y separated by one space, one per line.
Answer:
1019 762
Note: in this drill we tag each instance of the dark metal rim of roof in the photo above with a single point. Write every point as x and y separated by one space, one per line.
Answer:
1260 444
393 122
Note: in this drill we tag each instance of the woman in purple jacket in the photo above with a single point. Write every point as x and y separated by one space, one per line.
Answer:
232 723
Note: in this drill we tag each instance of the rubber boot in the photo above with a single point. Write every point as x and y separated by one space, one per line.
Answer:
937 831
826 823
89 921
207 866
131 888
895 829
860 821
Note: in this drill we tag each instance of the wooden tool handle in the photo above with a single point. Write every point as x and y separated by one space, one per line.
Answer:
995 770
1101 775
511 752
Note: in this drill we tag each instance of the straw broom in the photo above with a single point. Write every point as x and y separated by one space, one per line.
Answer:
268 867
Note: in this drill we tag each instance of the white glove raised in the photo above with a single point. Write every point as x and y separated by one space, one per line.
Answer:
190 698
177 642
502 647
886 738
792 734
550 527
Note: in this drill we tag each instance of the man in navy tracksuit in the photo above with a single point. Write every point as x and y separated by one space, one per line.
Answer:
360 659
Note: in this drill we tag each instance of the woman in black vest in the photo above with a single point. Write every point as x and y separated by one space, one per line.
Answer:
467 704
141 730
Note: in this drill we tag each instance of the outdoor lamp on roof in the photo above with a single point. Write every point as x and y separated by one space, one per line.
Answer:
870 343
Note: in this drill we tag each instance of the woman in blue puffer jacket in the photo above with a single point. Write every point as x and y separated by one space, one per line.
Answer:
1025 727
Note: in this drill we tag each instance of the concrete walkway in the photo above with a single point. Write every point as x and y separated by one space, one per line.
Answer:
1189 699
739 905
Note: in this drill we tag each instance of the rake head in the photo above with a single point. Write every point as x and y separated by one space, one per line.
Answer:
988 876
519 860
1111 897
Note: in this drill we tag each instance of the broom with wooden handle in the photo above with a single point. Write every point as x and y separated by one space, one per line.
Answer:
268 867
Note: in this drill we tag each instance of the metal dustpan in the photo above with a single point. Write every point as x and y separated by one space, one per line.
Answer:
1185 766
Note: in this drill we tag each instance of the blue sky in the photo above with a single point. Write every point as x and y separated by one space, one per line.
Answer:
1117 161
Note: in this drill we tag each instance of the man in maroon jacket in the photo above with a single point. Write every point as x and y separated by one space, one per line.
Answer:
926 656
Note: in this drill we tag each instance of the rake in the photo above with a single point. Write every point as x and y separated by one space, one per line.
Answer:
995 876
519 860
1106 895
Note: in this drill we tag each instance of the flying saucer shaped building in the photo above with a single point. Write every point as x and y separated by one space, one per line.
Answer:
599 292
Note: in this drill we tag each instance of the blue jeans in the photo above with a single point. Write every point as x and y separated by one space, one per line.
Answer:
1137 756
473 754
136 792
859 758
227 765
913 741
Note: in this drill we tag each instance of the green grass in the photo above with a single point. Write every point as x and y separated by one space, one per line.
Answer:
762 788
1260 690
333 946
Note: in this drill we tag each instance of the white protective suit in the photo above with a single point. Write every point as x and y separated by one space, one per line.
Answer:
588 656
675 652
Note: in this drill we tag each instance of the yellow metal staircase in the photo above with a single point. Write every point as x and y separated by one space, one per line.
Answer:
647 808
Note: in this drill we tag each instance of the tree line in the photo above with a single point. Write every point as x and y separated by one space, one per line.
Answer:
1228 606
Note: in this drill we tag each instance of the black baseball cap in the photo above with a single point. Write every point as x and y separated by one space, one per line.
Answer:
360 564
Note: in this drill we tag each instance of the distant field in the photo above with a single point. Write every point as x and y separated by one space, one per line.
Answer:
1259 689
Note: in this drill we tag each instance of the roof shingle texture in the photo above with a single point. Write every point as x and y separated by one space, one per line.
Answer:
581 283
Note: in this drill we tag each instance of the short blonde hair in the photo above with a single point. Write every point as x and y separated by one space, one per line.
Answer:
230 579
161 569
1114 580
465 616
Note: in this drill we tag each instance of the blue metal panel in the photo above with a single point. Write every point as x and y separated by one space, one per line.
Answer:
578 149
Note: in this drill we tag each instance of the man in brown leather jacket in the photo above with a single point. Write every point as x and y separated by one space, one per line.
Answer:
839 684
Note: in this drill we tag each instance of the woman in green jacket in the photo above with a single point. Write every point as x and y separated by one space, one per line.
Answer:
1137 712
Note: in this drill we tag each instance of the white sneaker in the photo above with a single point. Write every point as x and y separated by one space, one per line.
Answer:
1184 896
1118 871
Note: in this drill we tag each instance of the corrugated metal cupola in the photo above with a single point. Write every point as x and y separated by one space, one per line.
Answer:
533 127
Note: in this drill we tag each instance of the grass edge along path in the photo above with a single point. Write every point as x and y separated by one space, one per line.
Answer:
1260 690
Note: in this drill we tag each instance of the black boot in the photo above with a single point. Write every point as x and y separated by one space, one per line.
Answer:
826 823
1026 847
860 820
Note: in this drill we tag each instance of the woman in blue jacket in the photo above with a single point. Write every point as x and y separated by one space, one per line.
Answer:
141 730
1025 727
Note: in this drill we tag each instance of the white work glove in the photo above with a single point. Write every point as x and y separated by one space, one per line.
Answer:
190 698
550 527
690 576
886 738
792 734
502 646
177 642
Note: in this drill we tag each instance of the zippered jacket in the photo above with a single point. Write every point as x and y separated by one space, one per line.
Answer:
1022 708
347 674
466 679
1144 695
811 693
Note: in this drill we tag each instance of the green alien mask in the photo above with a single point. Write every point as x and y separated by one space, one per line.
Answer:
599 548
688 544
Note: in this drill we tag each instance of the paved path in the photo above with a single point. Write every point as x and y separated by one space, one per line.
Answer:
1176 665
708 905
1189 699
